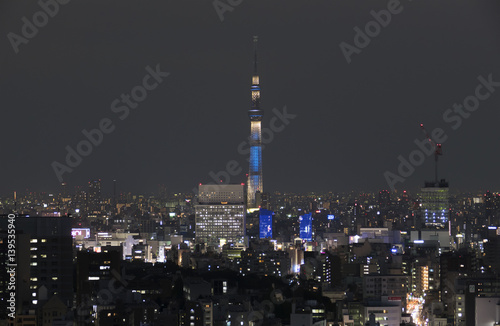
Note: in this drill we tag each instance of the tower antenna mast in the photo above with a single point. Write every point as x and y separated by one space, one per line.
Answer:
255 183
437 151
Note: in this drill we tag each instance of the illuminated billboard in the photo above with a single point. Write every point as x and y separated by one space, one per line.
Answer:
331 217
80 233
306 227
266 223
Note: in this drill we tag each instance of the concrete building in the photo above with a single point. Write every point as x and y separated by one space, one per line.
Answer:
392 286
44 257
487 311
220 214
386 314
431 235
199 313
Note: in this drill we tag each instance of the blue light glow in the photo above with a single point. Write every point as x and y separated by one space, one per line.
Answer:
266 223
306 227
255 158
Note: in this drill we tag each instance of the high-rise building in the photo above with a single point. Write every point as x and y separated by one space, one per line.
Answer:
94 268
255 113
435 207
197 313
492 249
265 223
94 195
220 213
377 286
306 227
476 300
491 208
44 255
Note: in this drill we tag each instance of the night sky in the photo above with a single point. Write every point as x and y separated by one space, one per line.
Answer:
353 120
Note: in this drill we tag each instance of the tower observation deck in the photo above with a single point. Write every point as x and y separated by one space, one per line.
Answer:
255 182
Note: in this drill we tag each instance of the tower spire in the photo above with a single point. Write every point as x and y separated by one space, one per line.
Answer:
255 41
255 114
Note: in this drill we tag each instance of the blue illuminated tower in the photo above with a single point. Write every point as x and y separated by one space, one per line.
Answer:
265 223
255 113
306 227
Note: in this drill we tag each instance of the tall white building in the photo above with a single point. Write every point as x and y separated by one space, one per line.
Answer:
255 181
220 214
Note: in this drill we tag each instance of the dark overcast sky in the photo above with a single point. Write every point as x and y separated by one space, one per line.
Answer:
353 120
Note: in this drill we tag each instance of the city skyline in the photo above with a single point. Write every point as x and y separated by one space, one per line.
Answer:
136 139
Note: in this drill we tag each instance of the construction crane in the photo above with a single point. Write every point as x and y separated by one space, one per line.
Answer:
437 151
